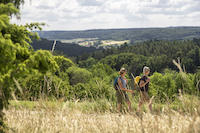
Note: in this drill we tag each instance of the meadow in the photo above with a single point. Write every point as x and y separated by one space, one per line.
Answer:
182 116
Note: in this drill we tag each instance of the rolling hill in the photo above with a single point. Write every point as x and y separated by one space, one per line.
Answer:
68 49
132 34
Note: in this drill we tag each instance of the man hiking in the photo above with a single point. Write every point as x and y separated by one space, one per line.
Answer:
144 87
121 89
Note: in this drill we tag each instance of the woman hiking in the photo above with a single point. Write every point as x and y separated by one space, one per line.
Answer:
122 89
144 87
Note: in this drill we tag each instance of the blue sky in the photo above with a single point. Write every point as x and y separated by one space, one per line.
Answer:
102 14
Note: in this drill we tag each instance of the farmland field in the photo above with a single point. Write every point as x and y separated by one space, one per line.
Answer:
112 42
87 42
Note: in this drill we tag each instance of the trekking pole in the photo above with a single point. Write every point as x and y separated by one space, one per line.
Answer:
133 83
130 89
136 86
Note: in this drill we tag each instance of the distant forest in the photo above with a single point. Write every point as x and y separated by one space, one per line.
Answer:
68 49
158 55
132 34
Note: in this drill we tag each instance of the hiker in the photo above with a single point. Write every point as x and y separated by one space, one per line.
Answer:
144 87
121 89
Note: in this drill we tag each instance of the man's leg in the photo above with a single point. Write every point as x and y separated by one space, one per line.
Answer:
150 103
148 100
141 101
150 107
119 107
140 105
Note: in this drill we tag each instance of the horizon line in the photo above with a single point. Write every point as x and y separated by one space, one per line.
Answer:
125 28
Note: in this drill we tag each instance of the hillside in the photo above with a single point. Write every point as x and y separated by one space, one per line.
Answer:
132 34
158 55
68 49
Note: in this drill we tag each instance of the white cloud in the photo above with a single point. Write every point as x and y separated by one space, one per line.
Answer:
90 2
95 14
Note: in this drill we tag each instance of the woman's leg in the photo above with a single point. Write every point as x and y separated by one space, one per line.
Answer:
126 98
119 100
129 106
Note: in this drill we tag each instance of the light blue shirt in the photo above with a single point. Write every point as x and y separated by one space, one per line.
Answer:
123 82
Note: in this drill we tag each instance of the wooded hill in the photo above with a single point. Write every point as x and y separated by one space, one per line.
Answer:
133 34
68 49
158 55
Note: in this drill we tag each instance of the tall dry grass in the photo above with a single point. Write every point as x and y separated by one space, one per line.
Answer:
67 118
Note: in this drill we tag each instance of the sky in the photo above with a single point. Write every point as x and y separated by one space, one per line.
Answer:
106 14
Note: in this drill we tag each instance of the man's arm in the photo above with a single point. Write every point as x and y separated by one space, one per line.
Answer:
142 83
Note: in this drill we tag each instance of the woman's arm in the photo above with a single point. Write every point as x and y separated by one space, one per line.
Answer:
121 86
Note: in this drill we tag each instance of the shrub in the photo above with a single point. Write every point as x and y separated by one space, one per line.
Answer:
163 86
78 75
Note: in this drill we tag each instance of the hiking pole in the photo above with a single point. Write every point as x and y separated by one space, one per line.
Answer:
136 86
133 83
128 87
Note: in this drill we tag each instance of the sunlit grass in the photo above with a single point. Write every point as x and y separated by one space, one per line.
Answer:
101 116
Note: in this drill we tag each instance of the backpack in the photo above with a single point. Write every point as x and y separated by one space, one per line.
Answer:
115 84
137 80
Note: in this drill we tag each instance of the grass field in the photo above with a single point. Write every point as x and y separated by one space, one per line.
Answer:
92 117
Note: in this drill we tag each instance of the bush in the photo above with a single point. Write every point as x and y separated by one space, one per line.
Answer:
63 63
163 86
78 75
185 83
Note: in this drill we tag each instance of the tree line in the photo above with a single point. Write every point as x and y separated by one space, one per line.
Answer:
157 54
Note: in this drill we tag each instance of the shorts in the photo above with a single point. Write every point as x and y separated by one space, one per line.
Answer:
144 97
121 96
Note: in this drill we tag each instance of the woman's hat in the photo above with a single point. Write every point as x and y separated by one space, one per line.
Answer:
122 70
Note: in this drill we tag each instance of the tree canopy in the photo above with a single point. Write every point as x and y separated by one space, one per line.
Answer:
17 56
16 3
